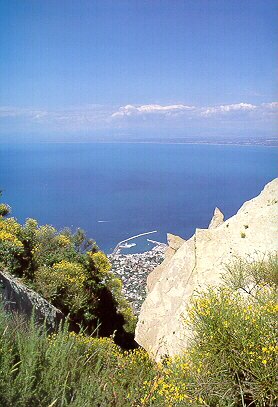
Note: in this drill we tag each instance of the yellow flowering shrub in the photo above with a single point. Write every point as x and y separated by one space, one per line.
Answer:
10 240
63 241
62 284
11 246
101 263
11 225
233 350
90 346
4 209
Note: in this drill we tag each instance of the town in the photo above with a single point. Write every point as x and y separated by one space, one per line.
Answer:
133 270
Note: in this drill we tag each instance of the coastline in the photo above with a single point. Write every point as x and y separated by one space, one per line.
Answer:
255 142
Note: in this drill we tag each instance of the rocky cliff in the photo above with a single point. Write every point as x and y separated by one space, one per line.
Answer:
199 262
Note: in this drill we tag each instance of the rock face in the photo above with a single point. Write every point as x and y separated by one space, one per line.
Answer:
199 262
18 297
174 243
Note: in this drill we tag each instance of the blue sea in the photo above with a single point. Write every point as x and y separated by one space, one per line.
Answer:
117 190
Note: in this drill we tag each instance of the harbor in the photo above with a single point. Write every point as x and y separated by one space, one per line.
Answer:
122 244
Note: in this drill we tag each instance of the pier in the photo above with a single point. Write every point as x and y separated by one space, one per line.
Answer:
117 248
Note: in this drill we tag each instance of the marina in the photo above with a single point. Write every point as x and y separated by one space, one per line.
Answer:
120 245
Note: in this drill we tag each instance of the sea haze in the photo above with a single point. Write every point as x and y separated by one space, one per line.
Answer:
117 190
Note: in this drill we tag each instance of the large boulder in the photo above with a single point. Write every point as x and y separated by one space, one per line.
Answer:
199 262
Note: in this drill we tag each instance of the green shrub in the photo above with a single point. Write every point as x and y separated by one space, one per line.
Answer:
251 273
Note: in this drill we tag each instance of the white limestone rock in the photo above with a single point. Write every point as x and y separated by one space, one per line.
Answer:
174 243
217 220
199 262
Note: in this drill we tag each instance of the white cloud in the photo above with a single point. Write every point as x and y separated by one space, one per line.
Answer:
182 110
7 111
219 110
129 110
270 106
39 115
148 116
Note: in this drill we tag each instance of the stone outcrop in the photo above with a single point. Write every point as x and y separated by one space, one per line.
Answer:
174 243
17 297
217 220
199 262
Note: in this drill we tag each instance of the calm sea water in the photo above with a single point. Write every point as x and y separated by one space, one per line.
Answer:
114 191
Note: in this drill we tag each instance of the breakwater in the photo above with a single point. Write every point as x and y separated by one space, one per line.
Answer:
118 249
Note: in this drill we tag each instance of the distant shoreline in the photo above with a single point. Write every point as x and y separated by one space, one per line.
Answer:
243 143
188 143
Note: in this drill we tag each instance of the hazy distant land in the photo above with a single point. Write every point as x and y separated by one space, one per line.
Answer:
248 141
101 137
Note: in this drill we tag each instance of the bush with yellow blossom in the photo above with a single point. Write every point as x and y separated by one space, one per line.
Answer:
69 271
233 352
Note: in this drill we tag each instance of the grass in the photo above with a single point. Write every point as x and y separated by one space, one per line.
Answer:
66 369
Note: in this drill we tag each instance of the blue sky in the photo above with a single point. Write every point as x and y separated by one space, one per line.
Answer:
137 68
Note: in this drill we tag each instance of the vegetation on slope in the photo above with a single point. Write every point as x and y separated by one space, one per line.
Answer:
70 272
